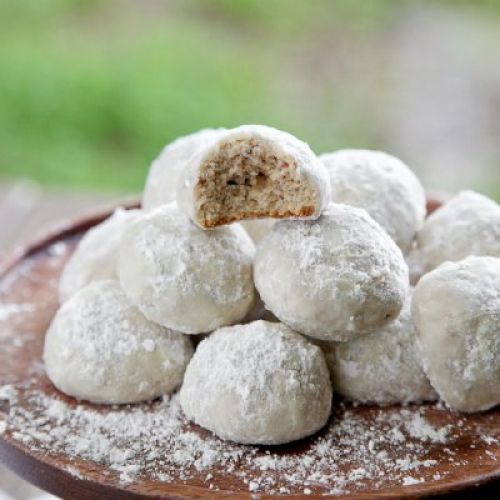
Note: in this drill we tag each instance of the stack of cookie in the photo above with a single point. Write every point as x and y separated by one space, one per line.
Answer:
288 311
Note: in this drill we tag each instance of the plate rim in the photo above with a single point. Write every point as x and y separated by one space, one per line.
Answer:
38 469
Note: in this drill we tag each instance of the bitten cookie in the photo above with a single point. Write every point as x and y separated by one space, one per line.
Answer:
161 183
252 172
333 278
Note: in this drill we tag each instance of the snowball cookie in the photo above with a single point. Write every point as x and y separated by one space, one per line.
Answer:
456 309
468 224
252 172
257 228
381 184
184 278
333 278
383 367
101 348
260 383
95 256
416 264
161 184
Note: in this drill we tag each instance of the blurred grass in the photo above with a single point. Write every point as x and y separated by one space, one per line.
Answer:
91 109
91 90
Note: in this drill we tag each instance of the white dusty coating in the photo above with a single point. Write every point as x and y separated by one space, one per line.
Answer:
184 278
416 263
358 453
95 256
101 348
333 278
253 171
381 184
456 309
468 224
257 228
383 367
161 184
260 383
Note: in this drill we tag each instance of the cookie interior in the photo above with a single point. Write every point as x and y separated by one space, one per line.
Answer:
250 179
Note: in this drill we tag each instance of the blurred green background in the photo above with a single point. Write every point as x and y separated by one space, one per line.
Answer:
90 90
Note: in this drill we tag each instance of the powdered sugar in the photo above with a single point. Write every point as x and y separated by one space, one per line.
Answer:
8 310
359 450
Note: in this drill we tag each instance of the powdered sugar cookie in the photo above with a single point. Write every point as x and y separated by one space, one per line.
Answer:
416 263
456 309
184 278
101 348
468 224
161 184
260 383
95 256
381 184
257 228
383 367
333 278
252 172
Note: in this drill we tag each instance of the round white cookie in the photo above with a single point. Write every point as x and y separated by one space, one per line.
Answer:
257 228
416 264
253 172
333 278
161 184
95 256
101 348
184 278
456 309
468 224
381 184
260 383
383 367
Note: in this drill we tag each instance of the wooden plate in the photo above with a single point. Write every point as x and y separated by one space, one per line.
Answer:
469 455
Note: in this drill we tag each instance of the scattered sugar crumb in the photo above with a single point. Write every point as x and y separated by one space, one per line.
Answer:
58 249
74 472
8 310
253 486
358 451
489 439
409 481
